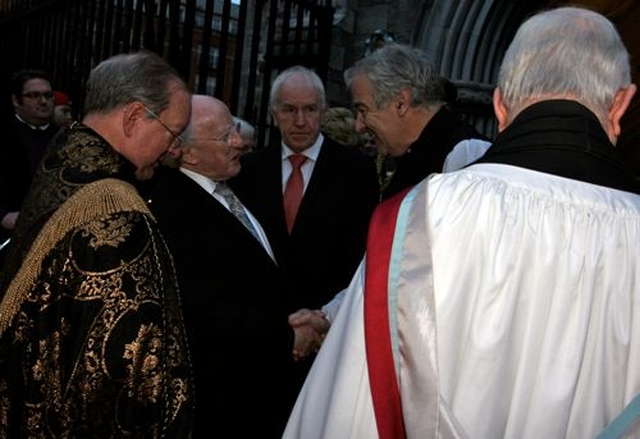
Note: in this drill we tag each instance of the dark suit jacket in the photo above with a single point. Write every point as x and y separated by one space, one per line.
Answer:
328 237
20 153
428 153
236 305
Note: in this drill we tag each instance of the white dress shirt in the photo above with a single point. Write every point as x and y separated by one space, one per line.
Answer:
307 167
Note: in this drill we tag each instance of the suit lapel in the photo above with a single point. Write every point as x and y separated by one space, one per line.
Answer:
208 206
319 185
273 192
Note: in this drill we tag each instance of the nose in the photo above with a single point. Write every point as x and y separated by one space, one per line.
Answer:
360 126
299 118
235 140
174 150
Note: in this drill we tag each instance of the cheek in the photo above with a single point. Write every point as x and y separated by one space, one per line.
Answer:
315 124
379 125
157 147
234 166
285 126
219 162
370 123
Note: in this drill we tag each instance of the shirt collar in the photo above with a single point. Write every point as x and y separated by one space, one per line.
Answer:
311 152
205 182
33 127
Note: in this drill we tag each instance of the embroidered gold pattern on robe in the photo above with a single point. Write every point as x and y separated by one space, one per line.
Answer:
96 345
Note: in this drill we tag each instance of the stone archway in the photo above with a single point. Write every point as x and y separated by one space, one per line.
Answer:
467 40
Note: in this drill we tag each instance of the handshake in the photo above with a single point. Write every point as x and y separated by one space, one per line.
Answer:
310 328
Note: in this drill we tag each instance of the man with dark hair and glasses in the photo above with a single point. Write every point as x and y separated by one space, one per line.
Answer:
28 131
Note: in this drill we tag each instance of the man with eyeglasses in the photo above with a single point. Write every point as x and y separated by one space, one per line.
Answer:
234 295
92 339
28 131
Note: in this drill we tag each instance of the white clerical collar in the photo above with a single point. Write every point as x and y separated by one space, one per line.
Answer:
311 153
33 127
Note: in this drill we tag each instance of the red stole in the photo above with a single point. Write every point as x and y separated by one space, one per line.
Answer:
382 374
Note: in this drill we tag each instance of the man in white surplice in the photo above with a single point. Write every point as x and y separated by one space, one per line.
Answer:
501 300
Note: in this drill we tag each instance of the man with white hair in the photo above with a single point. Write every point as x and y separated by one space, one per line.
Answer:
502 300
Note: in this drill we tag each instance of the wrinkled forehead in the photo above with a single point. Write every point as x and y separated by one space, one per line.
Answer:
299 93
215 123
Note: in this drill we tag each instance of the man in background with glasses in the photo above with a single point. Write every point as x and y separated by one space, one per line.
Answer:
92 340
28 131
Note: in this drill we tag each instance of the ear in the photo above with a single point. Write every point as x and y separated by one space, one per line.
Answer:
14 101
133 114
188 157
403 102
621 103
323 111
500 109
274 119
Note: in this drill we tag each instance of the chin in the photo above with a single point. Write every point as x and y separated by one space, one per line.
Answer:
144 174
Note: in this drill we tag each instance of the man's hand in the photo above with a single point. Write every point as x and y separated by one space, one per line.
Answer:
310 328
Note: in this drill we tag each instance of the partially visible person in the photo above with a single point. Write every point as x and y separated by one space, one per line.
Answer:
465 153
385 165
503 300
247 134
317 228
400 99
339 125
26 135
62 109
234 295
91 333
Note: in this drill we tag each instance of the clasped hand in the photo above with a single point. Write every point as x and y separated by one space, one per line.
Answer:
310 328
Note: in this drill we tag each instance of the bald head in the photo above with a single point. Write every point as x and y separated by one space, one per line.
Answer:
212 146
206 112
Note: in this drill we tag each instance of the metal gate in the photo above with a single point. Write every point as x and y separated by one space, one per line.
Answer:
222 48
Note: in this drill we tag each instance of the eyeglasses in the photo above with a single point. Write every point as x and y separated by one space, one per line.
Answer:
48 95
176 139
226 137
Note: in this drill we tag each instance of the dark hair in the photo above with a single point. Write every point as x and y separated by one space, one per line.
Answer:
19 78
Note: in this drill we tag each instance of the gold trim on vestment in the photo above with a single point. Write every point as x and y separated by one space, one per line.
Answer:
95 200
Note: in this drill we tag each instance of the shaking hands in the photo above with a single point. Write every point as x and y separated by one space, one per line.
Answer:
310 328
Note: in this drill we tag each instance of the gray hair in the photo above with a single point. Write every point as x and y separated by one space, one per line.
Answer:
396 67
565 52
309 75
245 127
136 77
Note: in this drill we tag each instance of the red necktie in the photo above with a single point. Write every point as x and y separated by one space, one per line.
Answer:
293 190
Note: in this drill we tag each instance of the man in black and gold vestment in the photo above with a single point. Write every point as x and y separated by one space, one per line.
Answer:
91 331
